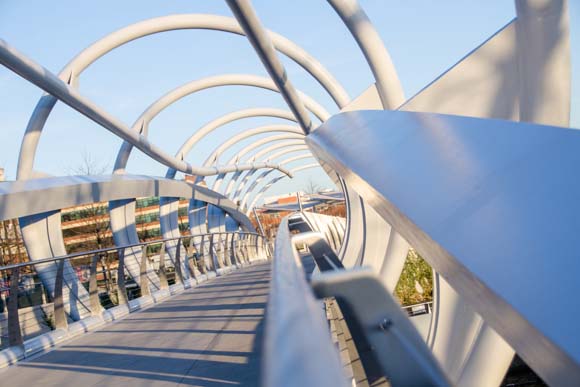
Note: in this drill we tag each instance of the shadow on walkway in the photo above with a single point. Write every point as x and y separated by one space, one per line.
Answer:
208 336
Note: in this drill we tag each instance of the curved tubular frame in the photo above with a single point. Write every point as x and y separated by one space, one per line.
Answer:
268 185
374 50
213 158
49 82
77 65
141 125
261 177
286 148
247 176
168 208
223 120
258 37
245 180
234 180
214 217
41 220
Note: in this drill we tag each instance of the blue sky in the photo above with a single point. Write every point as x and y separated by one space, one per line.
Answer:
424 38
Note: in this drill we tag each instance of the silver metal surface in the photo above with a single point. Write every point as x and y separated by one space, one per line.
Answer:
259 38
398 348
77 65
295 322
50 83
375 52
482 182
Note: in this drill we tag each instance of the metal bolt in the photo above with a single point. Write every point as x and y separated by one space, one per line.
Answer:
385 325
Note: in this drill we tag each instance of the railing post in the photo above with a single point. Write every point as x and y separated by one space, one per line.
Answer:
254 246
200 262
203 256
14 333
233 249
143 278
163 284
94 288
260 242
226 248
121 290
244 249
178 271
192 265
222 255
58 301
213 256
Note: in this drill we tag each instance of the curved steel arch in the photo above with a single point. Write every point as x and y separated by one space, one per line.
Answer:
141 125
268 185
287 147
169 206
290 143
40 220
376 54
77 65
223 120
202 217
266 173
216 218
248 175
214 156
246 178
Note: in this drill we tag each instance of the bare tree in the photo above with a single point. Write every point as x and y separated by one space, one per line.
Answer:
89 224
91 220
311 187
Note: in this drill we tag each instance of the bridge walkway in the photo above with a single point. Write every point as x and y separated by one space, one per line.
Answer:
207 336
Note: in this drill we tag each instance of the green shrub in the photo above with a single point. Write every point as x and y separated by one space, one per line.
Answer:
416 283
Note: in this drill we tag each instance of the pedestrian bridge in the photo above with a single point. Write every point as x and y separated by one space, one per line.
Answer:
477 173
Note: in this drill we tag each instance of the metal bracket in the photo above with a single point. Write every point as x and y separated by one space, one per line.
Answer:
403 356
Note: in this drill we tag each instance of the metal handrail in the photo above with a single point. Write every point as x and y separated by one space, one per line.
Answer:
250 244
296 323
104 250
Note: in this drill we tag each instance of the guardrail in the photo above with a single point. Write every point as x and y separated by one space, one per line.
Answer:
486 226
298 350
111 290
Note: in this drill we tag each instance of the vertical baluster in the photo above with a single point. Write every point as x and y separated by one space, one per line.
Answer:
251 247
94 288
58 301
14 333
203 255
162 273
200 262
121 289
191 261
214 261
260 249
229 239
243 238
178 271
143 278
224 239
233 249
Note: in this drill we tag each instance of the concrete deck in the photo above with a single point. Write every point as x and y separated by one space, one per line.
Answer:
207 336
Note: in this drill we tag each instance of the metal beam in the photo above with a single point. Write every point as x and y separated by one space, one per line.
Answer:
259 38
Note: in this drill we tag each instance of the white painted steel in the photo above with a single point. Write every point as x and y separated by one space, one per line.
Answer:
260 39
77 65
293 312
453 228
